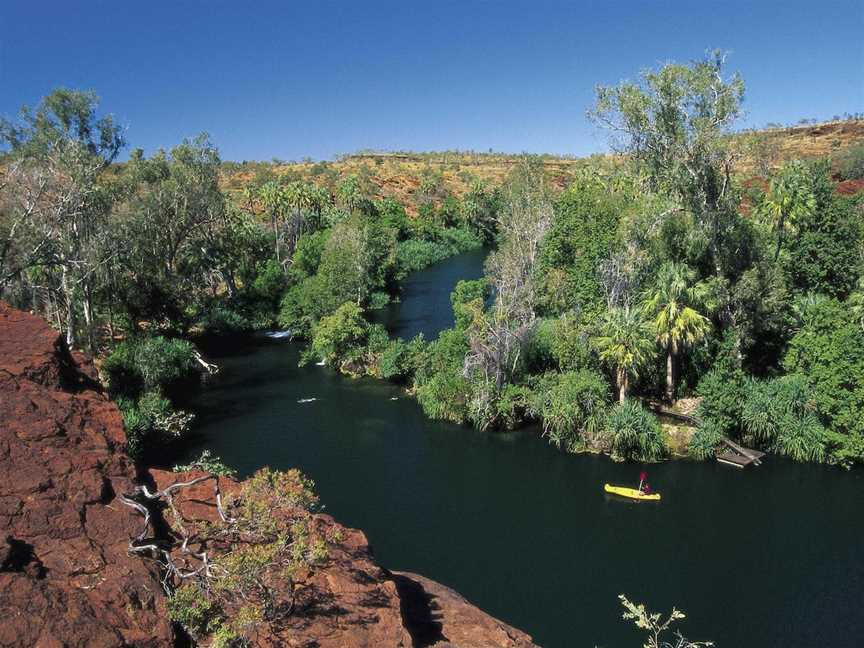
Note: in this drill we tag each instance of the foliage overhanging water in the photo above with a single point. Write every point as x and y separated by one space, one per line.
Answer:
762 557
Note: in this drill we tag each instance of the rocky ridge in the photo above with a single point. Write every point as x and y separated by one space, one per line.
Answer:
67 577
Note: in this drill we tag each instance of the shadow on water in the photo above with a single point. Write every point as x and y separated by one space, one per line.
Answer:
760 557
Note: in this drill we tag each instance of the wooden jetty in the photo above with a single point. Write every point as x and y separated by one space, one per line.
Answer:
737 455
730 453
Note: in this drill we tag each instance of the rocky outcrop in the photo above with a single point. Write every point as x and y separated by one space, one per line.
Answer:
440 617
67 577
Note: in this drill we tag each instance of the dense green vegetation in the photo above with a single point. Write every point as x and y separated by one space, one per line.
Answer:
141 375
153 251
653 278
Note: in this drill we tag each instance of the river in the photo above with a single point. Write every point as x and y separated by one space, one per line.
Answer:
768 556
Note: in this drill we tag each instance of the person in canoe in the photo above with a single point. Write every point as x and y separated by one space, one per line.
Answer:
644 491
644 486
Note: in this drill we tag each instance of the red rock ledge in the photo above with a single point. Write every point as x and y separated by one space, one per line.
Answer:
66 577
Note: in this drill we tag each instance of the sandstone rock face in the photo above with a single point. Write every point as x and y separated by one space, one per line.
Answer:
347 600
441 618
67 579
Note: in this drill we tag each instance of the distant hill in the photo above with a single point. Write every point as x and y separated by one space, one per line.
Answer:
781 144
399 174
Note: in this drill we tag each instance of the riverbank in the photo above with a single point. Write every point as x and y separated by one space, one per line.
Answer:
524 529
80 564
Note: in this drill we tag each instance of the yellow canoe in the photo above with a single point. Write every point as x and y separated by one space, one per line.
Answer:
632 493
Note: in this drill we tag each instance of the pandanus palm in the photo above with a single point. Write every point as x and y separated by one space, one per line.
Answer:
626 345
349 193
789 198
319 198
299 197
272 196
671 306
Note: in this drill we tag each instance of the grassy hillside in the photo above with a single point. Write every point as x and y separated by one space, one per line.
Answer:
400 175
774 146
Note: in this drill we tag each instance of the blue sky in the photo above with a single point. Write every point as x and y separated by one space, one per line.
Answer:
293 79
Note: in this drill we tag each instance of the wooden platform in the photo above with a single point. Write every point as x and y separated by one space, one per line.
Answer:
738 456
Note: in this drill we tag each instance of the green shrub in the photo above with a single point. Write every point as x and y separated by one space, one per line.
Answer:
151 419
632 432
722 398
377 342
270 283
779 415
465 298
143 364
222 319
723 392
572 406
446 353
583 233
208 463
705 440
461 239
307 254
445 396
850 163
392 214
416 254
340 335
120 371
512 406
191 607
378 300
825 253
570 345
400 359
433 246
304 304
829 351
539 354
441 389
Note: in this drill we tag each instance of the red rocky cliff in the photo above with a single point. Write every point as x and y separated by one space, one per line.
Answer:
66 577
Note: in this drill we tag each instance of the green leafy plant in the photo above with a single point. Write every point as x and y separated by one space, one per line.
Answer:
632 432
573 407
779 415
658 629
705 440
207 462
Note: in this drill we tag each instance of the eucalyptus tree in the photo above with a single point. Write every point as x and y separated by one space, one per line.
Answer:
671 304
675 122
498 336
172 227
625 343
55 203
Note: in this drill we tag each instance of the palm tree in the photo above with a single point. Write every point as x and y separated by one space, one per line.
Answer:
626 345
349 192
670 305
319 198
789 198
273 198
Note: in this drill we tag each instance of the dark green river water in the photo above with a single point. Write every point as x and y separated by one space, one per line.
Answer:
769 556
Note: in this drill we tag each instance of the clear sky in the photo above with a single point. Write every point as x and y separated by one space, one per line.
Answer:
292 79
